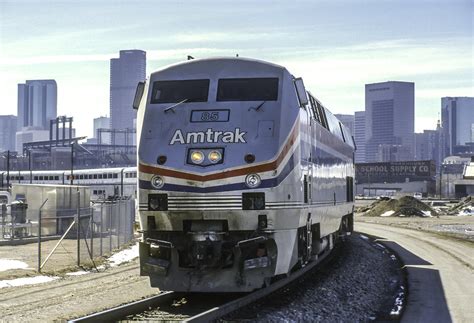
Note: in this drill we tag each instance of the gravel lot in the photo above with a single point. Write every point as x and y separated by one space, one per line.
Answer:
456 226
358 286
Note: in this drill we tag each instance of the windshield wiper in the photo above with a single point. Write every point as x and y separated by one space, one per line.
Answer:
258 106
174 106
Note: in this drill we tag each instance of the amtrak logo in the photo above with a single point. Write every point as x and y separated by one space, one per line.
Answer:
208 136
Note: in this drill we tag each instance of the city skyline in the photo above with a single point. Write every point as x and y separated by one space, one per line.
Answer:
337 47
125 73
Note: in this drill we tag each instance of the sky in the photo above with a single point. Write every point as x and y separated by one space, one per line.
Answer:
336 46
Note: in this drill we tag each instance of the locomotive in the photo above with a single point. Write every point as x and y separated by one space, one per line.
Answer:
243 175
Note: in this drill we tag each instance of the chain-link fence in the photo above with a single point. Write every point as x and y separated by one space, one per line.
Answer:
72 237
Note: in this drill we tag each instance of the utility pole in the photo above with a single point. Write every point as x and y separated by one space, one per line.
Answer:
440 179
72 163
8 170
29 166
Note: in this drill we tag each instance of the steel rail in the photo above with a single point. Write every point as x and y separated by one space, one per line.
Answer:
234 305
117 313
137 307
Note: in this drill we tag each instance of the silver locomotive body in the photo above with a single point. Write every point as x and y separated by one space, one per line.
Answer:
239 179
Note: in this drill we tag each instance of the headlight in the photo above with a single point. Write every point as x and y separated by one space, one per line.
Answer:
157 182
252 180
197 157
214 156
204 157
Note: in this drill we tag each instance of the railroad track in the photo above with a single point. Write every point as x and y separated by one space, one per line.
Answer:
195 307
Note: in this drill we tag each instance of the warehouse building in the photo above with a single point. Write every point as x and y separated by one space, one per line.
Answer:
392 178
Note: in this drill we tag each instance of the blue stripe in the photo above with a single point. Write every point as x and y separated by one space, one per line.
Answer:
266 183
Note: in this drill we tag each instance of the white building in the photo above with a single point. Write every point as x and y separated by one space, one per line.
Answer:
465 185
30 134
102 123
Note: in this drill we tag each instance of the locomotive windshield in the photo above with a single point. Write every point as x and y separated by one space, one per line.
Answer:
177 91
248 89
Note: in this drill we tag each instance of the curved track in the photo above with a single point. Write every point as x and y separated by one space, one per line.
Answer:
440 272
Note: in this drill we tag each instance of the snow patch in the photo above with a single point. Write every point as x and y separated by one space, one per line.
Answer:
26 281
427 214
466 212
7 264
381 246
123 256
78 273
399 302
388 213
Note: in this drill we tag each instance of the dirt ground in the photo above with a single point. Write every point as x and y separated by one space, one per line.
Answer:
73 296
454 226
64 258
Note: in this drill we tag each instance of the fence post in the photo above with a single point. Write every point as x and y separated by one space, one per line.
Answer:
101 226
110 227
118 222
131 214
4 215
92 231
78 227
39 235
132 220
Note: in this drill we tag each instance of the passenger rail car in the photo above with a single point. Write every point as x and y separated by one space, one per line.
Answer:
104 182
243 175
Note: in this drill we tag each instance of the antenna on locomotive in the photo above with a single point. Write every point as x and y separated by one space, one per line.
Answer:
190 57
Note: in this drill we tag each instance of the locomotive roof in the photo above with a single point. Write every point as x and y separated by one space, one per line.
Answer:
212 60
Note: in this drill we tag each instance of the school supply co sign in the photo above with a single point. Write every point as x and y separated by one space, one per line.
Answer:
395 172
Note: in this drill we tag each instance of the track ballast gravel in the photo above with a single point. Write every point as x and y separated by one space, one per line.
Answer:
357 286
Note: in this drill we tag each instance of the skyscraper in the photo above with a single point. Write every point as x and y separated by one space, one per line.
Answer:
7 132
457 118
359 136
427 145
389 120
37 103
347 120
125 73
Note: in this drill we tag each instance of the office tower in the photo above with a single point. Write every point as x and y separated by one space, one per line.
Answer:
359 136
457 118
37 103
389 120
7 132
125 73
347 120
427 146
102 123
